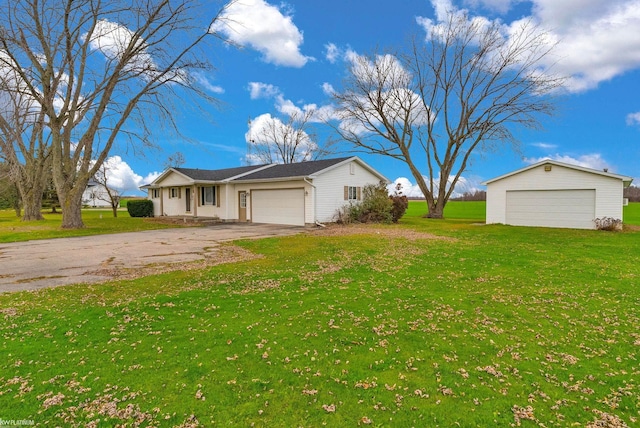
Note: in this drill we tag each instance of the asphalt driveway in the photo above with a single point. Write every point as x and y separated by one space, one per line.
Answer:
38 264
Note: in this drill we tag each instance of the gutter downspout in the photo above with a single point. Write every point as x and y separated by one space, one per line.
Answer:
315 200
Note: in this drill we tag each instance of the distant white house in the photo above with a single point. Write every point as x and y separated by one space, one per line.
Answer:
555 194
295 194
96 195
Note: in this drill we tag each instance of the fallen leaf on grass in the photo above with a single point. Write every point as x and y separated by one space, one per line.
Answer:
331 408
522 413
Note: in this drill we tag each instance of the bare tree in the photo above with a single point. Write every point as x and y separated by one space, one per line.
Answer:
101 71
23 145
9 193
453 95
175 160
270 140
105 192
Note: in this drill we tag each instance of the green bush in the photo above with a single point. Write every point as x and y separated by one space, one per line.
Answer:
376 207
140 208
400 203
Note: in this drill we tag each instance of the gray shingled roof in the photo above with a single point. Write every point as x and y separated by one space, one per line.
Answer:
216 174
302 169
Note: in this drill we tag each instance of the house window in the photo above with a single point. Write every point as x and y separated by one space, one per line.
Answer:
174 192
352 193
155 193
208 195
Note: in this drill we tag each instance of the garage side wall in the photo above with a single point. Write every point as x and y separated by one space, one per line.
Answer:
608 190
330 188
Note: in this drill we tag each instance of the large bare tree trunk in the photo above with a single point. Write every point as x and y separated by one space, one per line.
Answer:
435 210
32 203
71 202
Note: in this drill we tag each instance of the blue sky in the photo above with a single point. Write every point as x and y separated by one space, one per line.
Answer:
292 51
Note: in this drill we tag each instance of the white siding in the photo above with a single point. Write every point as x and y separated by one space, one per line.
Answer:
175 179
608 190
173 206
330 188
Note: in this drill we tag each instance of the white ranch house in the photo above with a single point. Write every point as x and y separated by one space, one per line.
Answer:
555 194
294 194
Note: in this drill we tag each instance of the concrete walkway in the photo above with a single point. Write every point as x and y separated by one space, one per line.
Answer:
38 264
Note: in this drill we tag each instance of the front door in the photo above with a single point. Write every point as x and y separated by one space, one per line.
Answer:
242 206
187 195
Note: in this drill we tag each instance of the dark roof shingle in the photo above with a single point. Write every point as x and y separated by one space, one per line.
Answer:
301 169
216 174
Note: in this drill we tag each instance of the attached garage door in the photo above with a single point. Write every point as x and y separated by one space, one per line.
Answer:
552 208
278 206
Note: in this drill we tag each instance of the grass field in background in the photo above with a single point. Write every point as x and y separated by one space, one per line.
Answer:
632 213
99 221
425 323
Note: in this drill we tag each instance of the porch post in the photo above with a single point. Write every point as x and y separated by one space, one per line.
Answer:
196 200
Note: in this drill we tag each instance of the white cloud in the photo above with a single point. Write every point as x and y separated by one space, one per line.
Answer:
328 88
207 85
501 6
121 177
545 146
287 107
268 132
597 39
332 52
259 90
266 29
404 185
633 119
592 160
398 100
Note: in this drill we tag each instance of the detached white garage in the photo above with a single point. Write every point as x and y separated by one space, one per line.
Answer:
555 194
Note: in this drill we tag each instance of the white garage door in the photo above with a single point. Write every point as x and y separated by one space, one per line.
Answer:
278 206
552 208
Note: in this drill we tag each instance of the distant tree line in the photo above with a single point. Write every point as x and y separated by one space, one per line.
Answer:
632 193
476 195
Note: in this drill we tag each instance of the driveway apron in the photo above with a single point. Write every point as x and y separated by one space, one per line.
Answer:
38 264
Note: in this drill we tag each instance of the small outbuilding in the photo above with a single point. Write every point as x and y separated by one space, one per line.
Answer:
555 194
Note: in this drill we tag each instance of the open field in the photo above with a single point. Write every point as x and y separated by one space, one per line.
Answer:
426 323
99 221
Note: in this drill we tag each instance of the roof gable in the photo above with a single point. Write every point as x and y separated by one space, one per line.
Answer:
626 180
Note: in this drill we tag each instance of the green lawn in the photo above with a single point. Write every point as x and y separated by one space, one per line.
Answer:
97 221
632 213
425 323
